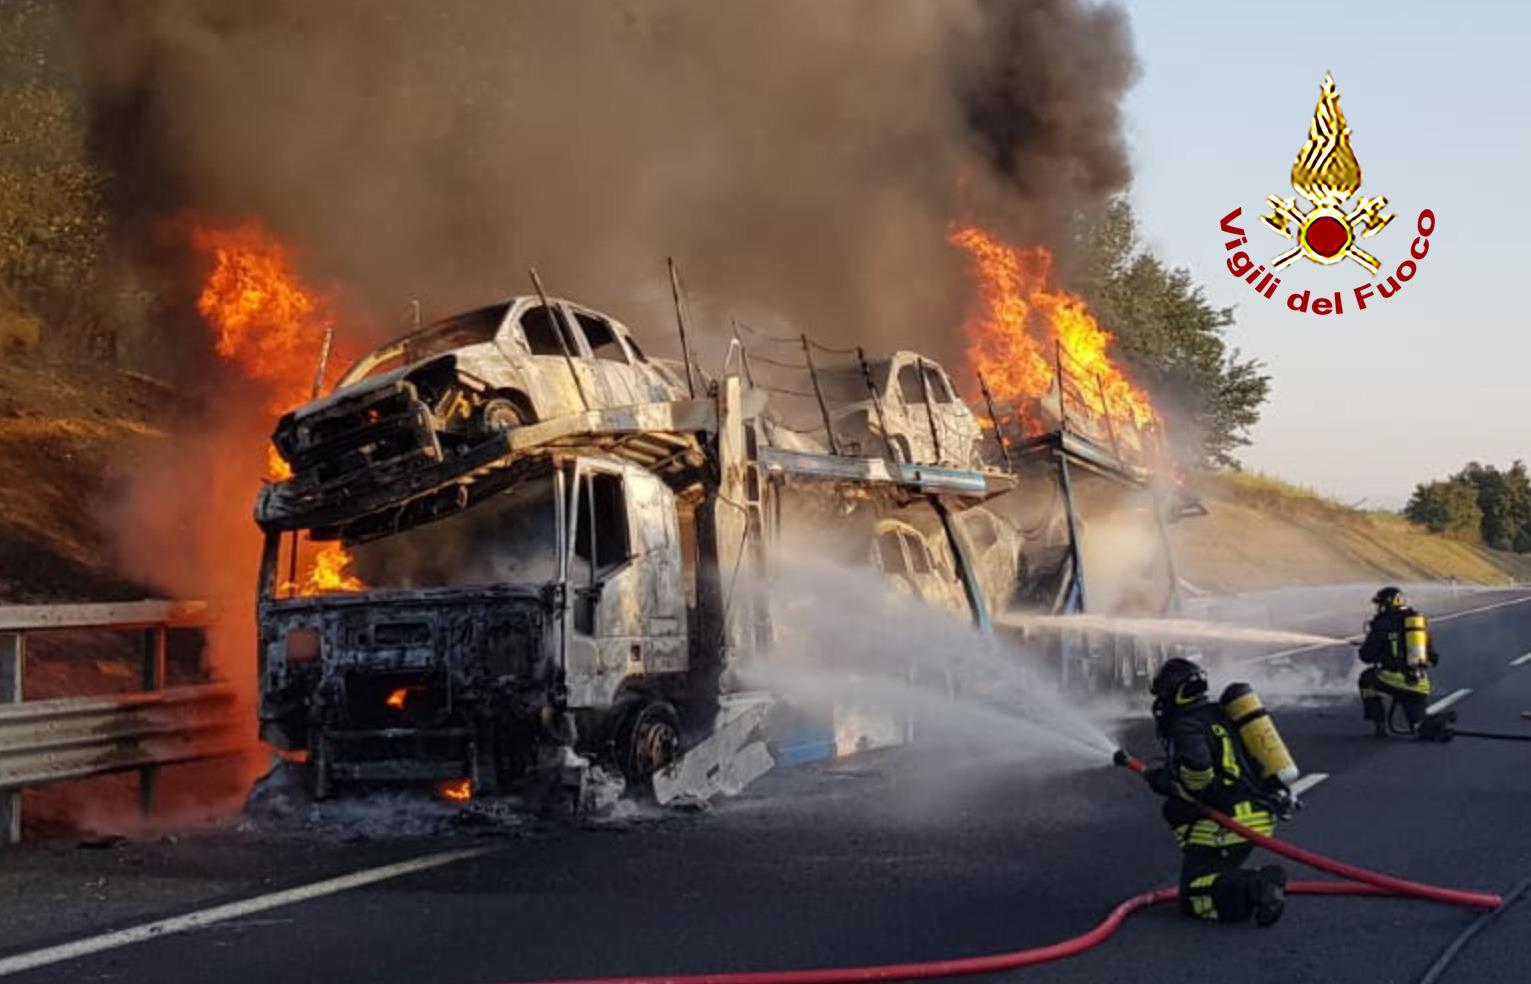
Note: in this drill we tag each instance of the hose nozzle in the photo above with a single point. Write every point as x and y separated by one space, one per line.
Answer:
1120 757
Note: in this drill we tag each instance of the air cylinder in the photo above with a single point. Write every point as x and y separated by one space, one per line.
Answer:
1258 732
1416 641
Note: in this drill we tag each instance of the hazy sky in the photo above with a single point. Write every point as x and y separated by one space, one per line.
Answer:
1364 404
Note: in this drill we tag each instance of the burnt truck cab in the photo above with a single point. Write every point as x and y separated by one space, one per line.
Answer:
548 613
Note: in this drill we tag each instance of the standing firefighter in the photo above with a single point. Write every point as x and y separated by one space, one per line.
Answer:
1399 652
1206 762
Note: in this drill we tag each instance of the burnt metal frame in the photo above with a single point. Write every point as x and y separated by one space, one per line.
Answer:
1063 446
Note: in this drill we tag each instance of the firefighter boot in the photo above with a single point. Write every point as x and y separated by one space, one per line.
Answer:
1270 895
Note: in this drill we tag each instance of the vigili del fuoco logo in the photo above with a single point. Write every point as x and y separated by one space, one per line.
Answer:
1326 229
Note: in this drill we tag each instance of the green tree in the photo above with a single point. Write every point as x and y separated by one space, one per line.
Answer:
1449 506
1493 505
1505 498
1171 337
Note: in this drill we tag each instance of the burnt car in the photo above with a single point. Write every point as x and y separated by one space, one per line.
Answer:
439 399
916 415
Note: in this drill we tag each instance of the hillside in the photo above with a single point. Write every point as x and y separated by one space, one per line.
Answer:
67 435
1262 533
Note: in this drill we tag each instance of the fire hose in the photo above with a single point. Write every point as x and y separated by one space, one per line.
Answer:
1362 882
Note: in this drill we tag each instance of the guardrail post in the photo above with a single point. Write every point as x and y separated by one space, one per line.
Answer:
153 679
13 653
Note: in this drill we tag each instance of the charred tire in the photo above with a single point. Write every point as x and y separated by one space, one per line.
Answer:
498 415
647 740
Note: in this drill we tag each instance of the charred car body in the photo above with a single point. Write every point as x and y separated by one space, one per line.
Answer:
903 406
438 401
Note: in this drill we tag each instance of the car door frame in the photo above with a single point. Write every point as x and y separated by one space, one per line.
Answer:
548 375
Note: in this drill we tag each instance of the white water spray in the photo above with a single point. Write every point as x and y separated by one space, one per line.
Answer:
849 643
1167 629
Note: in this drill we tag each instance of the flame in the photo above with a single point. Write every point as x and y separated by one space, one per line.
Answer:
272 327
267 321
457 790
1023 321
331 571
396 698
277 468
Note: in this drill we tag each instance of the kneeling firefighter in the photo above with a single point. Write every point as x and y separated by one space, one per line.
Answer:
1211 753
1399 652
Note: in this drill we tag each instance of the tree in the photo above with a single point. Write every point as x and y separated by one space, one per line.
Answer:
1171 336
51 217
1492 505
1449 506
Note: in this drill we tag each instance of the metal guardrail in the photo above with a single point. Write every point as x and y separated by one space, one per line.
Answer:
74 737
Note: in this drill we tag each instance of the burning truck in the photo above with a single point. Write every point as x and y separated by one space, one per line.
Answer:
572 580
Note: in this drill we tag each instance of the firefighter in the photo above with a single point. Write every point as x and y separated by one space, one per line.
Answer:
1398 652
1205 763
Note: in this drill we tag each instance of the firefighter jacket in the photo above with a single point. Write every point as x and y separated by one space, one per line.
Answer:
1207 764
1387 647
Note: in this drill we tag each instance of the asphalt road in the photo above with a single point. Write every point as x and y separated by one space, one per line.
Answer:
894 856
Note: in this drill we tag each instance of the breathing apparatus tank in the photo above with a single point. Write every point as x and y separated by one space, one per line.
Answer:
1257 732
1416 641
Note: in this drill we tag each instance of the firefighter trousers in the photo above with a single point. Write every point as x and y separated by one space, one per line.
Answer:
1214 885
1375 690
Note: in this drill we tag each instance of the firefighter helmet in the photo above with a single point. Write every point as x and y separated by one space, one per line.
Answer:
1388 598
1179 680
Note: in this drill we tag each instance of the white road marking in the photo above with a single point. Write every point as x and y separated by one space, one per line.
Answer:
1447 701
222 913
1521 660
1307 782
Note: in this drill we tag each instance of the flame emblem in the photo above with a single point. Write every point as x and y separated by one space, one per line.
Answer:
1327 174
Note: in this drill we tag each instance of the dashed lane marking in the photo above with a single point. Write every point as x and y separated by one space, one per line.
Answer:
222 913
1521 660
1447 701
1307 782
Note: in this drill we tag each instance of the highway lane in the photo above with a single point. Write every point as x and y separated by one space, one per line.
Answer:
898 856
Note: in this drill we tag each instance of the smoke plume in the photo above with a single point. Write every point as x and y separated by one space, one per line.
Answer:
801 160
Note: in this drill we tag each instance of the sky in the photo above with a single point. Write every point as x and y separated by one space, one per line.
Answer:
1365 404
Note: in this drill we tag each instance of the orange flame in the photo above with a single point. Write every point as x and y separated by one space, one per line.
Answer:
396 698
272 327
331 571
457 790
1014 339
268 323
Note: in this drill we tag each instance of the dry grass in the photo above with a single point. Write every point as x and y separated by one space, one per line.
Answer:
1264 532
67 436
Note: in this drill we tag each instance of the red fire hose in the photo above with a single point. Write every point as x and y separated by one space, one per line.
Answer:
1387 883
962 966
1365 883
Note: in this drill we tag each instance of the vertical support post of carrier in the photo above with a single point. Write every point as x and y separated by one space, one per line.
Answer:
818 395
1063 413
999 435
13 655
153 679
1074 600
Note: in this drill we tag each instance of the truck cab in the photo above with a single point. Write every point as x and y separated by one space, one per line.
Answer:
553 612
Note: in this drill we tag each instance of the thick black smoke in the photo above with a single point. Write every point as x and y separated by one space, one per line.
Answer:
803 160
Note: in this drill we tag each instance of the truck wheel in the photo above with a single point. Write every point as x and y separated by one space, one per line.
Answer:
498 415
648 739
